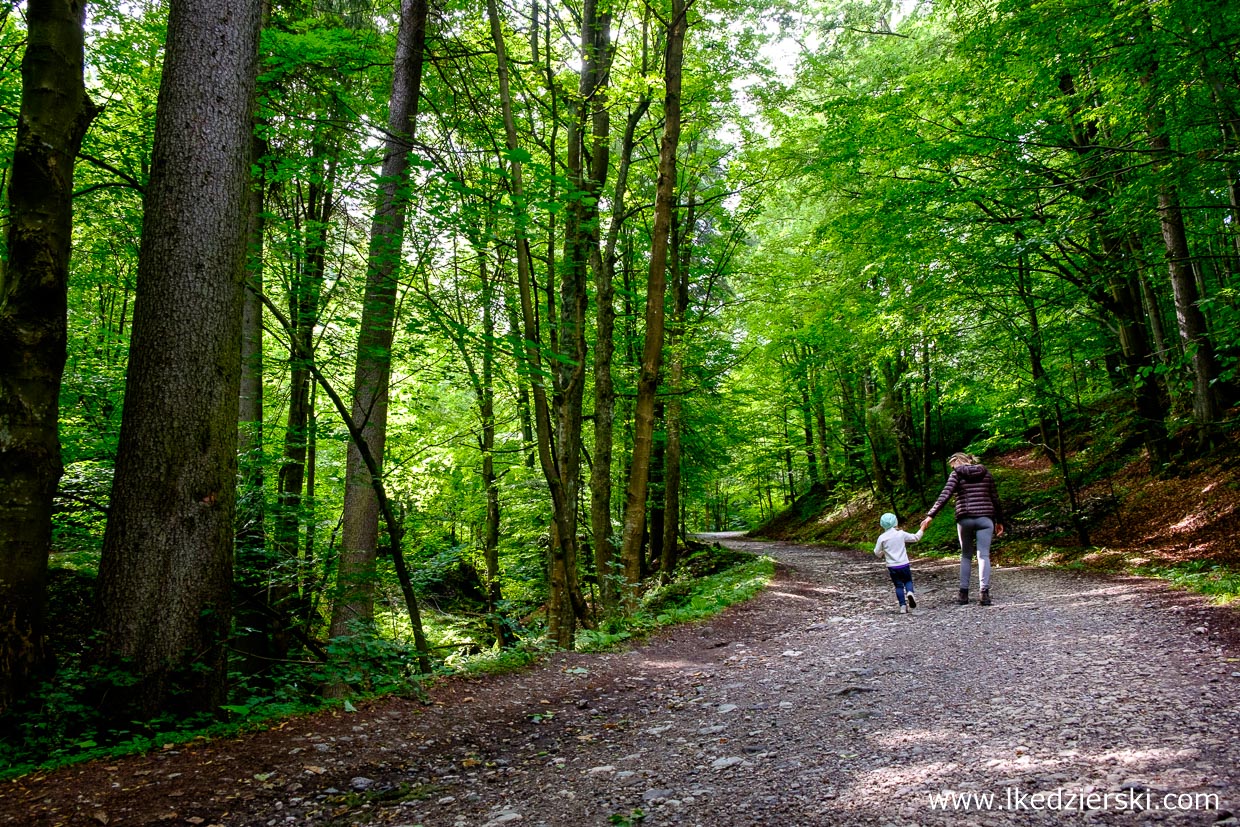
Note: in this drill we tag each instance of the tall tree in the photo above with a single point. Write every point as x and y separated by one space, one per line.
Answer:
566 603
656 287
55 114
166 573
587 170
360 535
683 239
254 607
604 350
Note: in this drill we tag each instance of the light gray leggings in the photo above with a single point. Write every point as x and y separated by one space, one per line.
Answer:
975 536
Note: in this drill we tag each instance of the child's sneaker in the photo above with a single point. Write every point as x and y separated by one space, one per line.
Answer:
912 602
903 609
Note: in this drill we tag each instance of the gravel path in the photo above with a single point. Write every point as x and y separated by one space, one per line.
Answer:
813 704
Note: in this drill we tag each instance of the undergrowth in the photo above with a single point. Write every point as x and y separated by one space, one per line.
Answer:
1218 581
57 724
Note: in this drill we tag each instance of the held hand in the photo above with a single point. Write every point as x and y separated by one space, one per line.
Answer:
998 529
925 523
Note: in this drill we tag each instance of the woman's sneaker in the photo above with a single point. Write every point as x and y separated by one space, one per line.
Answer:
912 601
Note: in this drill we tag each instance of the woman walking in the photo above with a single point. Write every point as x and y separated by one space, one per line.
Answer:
979 518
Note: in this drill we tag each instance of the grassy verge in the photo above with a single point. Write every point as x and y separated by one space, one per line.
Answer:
710 581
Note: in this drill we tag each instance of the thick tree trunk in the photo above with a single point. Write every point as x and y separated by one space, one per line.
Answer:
652 352
354 600
165 577
55 114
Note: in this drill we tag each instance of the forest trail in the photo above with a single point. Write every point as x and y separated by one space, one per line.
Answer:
813 704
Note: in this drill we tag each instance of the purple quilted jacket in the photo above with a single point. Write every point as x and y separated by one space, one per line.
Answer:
976 494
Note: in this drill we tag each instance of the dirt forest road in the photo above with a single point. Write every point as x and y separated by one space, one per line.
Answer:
1072 699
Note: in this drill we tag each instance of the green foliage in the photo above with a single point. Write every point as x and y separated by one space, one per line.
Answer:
1219 581
687 598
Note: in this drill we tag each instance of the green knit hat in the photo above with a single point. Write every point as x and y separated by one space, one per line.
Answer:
888 520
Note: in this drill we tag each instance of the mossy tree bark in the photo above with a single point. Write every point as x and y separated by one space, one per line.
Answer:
55 114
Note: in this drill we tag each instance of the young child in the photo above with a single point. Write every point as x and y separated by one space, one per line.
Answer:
890 546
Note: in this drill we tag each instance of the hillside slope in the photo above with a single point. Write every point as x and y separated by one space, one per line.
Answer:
1186 521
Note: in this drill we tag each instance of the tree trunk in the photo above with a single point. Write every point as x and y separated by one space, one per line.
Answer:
564 593
604 385
1119 296
253 615
682 256
304 297
881 485
807 429
354 601
1153 312
1042 391
926 411
655 494
165 576
486 411
581 239
1207 409
1194 332
250 512
791 494
55 114
524 407
820 419
652 353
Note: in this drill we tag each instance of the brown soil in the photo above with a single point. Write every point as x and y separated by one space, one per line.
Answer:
814 703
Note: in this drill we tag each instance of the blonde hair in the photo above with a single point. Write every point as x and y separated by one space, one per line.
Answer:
961 458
